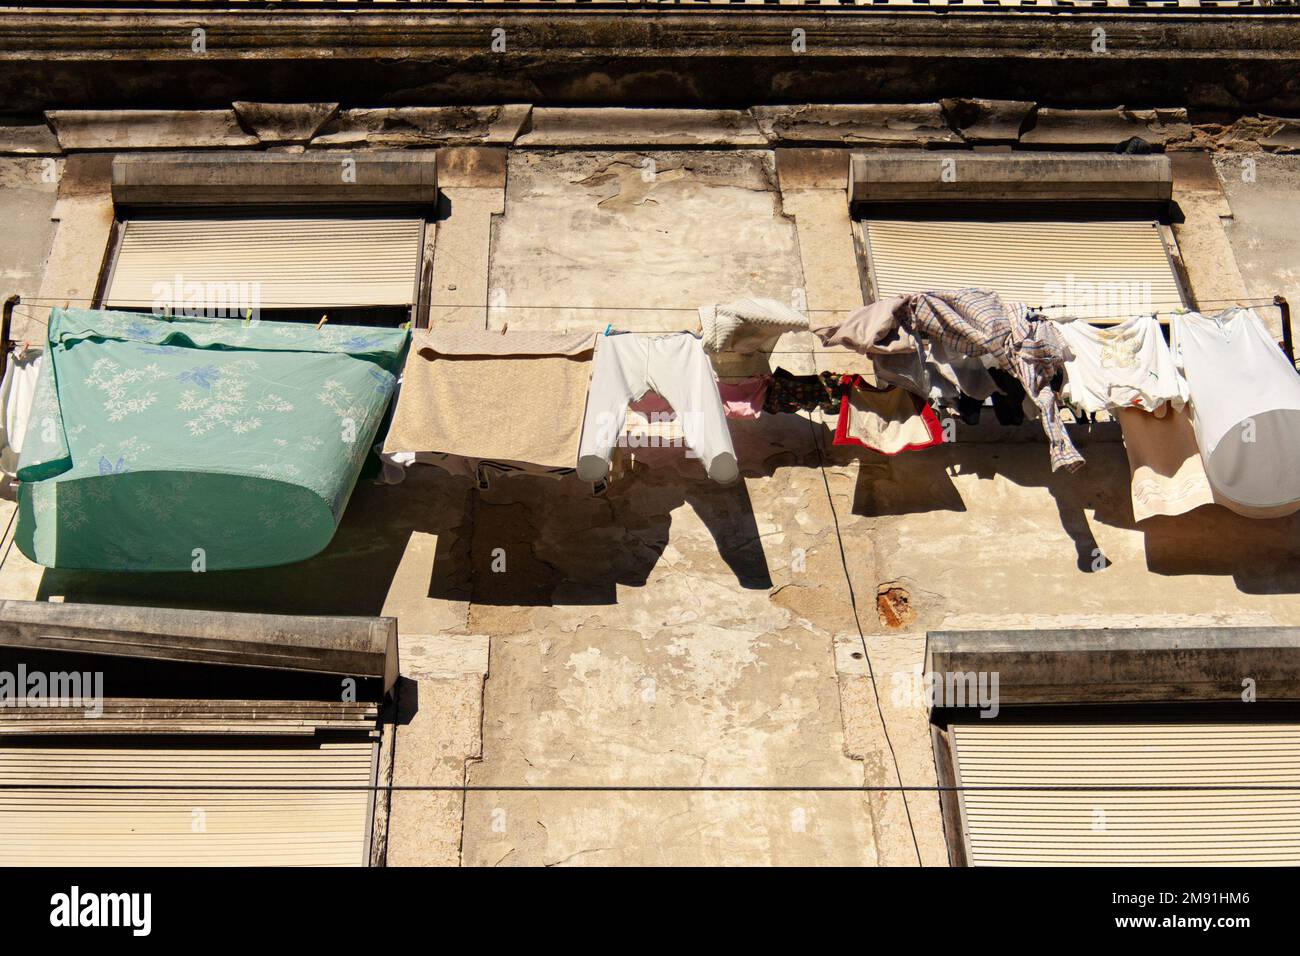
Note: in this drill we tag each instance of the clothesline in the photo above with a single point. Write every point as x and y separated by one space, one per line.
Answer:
810 350
54 303
1177 308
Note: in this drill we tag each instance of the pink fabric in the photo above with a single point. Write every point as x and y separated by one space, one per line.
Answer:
743 399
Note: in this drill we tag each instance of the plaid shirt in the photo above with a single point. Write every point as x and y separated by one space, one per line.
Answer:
976 322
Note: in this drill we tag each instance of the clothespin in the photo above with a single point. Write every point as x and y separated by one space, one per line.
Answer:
609 328
248 316
504 326
323 319
22 349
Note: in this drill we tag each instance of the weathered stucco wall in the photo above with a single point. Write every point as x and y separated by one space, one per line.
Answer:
1263 193
674 633
640 239
28 189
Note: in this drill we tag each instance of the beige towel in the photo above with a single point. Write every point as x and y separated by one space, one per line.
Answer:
517 397
1167 472
873 329
747 325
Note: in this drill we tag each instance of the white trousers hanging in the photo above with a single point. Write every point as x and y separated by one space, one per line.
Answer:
674 366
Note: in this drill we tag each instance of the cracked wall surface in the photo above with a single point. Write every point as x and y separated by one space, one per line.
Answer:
641 239
677 634
666 641
700 669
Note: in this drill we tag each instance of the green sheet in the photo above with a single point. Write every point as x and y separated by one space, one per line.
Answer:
161 444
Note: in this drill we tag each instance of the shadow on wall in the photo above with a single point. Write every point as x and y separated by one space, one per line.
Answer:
352 575
1262 556
525 541
534 542
543 543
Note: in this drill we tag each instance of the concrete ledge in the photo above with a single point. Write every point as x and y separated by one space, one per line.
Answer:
958 125
1025 177
401 127
1091 129
1282 135
614 126
915 124
276 123
148 129
32 139
233 178
1130 665
987 121
812 168
351 646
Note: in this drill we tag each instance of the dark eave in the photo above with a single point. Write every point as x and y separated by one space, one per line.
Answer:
120 56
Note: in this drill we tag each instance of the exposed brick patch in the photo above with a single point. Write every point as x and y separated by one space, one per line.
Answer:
894 605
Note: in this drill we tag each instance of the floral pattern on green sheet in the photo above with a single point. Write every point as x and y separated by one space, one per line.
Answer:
159 444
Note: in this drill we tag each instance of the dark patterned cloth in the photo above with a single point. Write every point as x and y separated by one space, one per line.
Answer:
802 393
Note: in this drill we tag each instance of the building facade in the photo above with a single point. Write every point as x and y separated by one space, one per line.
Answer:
573 166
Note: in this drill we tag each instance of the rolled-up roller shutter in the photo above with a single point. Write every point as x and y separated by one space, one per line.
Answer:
292 262
1106 269
310 823
1107 826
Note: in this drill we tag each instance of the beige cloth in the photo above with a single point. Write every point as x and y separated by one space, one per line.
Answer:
873 329
886 420
1168 476
747 325
516 398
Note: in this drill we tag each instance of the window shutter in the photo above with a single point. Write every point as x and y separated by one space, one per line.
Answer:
291 262
1105 269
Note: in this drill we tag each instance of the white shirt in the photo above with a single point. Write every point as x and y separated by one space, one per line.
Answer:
1128 365
1245 406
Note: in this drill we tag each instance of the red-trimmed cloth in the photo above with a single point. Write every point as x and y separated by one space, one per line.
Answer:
886 420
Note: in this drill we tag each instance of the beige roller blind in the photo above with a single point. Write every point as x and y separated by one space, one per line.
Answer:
57 827
158 715
291 262
1109 269
1116 827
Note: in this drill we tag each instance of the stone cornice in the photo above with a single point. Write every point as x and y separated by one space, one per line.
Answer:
665 56
557 30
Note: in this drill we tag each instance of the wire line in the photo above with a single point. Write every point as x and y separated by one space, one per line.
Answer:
866 654
675 788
